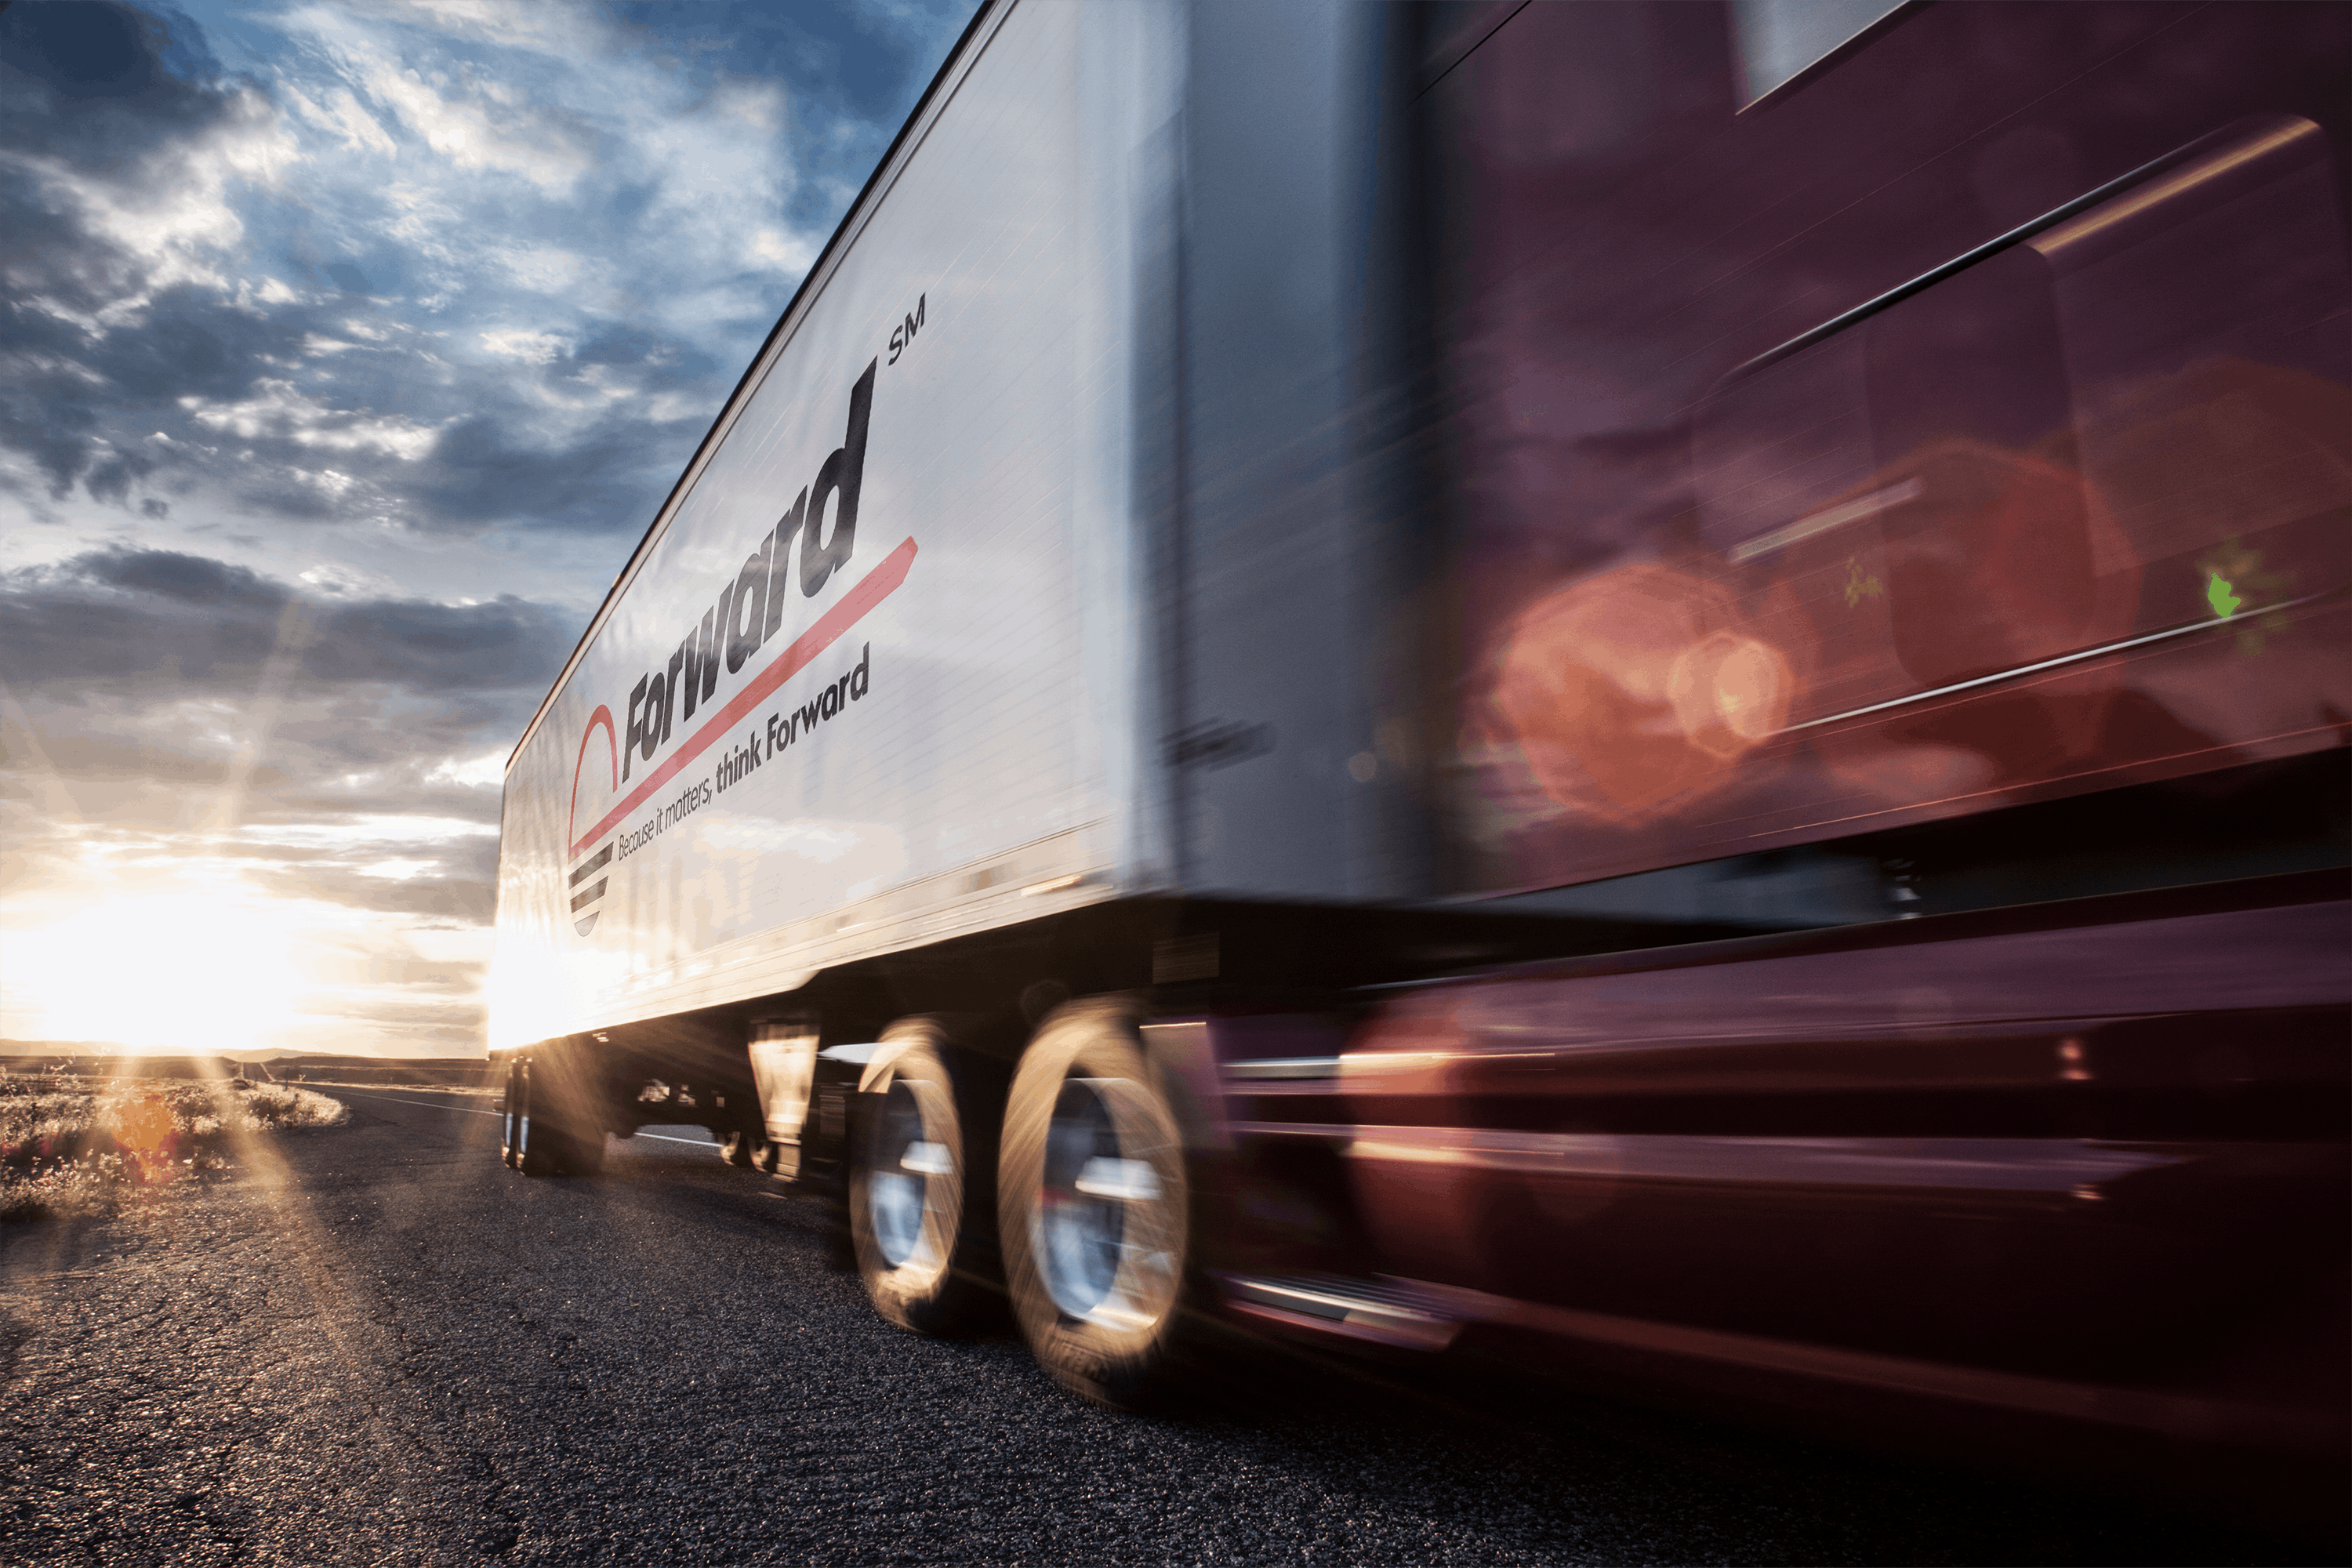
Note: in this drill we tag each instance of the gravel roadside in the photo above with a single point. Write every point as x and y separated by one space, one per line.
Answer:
383 1347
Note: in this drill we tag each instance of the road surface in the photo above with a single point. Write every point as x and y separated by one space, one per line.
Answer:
382 1346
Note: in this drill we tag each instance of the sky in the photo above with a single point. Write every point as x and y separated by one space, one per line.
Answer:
346 351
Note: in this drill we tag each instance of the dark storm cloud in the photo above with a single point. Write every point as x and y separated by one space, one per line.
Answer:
503 644
476 473
171 575
178 623
96 71
187 344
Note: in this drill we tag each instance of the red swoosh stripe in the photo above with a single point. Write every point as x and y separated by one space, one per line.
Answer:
878 585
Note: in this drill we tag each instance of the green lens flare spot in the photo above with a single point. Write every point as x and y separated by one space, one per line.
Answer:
1857 586
2222 594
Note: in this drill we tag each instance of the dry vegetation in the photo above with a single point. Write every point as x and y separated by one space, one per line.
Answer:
78 1146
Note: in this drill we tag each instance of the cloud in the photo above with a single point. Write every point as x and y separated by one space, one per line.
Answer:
147 363
523 344
179 621
342 112
277 410
480 125
94 132
774 248
166 692
548 26
471 902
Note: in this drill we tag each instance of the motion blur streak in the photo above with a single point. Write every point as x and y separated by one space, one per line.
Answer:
1659 692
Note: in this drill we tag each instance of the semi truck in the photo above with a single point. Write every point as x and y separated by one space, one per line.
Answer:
1659 689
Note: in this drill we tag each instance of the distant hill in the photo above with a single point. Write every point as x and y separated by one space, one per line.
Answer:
103 1049
319 1068
281 1066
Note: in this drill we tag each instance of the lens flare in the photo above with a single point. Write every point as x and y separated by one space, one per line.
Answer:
1729 692
159 972
1632 691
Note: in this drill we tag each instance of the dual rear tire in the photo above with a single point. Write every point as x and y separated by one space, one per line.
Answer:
536 1143
916 1222
1092 1211
1095 1207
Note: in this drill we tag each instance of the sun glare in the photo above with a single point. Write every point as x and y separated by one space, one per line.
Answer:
164 973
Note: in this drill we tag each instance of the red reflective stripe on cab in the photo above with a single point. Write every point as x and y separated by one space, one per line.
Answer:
877 586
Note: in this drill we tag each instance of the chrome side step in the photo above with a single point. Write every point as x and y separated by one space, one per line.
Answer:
1383 1311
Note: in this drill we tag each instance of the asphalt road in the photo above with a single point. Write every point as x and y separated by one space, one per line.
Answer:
383 1347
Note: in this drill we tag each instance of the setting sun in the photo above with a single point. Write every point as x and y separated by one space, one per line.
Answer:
168 973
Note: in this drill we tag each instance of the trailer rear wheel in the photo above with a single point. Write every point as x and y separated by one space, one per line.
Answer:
511 1123
537 1145
1092 1200
911 1203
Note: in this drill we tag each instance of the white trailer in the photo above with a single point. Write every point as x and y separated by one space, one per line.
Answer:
941 691
874 678
933 635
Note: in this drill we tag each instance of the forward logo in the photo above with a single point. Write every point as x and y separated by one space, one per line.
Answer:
748 616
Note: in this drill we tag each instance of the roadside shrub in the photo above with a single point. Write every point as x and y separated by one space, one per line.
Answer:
283 1105
77 1146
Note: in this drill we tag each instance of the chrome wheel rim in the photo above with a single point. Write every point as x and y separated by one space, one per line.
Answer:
910 1188
1103 1223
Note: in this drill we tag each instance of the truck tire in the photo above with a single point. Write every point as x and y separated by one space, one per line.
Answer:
1092 1207
511 1123
913 1220
538 1146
